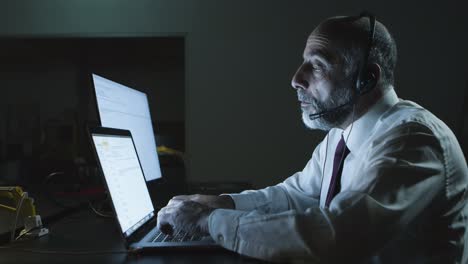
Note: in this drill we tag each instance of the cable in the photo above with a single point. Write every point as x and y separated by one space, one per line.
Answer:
346 140
323 168
99 213
24 232
4 206
18 210
352 123
326 150
50 195
78 252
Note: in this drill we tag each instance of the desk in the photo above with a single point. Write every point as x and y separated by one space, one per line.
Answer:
84 231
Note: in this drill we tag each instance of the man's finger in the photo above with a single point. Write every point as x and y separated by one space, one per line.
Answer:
181 197
167 211
174 202
166 229
164 221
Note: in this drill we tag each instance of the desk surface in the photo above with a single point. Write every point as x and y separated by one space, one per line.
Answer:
84 231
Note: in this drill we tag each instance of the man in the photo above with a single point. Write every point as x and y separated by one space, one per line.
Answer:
388 184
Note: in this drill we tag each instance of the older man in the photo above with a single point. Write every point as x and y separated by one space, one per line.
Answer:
388 184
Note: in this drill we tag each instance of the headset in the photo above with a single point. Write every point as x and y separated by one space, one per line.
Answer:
364 81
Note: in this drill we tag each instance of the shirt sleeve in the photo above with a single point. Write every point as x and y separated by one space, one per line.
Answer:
297 192
407 176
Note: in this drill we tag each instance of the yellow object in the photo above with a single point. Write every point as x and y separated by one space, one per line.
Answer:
169 151
10 198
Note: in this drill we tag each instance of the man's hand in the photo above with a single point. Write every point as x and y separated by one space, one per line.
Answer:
215 201
189 213
187 216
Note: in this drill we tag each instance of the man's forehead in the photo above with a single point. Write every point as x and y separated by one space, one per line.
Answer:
317 39
320 45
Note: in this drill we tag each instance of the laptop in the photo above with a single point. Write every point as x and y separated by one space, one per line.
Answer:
124 179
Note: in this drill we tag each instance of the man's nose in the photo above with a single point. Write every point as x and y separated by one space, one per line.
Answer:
299 80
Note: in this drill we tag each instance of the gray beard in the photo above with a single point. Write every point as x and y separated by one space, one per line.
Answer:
331 119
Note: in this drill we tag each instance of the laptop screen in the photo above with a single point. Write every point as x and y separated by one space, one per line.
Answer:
125 180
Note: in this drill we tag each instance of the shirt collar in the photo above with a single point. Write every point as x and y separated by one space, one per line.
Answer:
364 125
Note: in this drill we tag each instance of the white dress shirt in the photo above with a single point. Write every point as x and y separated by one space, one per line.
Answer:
402 200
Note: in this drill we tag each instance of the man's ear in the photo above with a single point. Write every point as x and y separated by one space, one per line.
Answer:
375 72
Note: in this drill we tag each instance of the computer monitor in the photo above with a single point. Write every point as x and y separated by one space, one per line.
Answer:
122 107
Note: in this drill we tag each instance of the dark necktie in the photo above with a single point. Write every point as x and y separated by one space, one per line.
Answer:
335 183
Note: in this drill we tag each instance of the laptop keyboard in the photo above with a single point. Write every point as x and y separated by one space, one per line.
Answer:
178 237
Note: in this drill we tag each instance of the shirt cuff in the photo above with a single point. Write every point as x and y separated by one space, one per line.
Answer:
222 226
244 202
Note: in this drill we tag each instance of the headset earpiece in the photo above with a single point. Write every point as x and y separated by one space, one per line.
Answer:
366 84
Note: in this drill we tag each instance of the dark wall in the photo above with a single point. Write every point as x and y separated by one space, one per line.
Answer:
48 97
242 118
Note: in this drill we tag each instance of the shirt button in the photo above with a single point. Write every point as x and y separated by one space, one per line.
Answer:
220 238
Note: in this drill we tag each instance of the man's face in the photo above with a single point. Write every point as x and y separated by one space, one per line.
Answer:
323 84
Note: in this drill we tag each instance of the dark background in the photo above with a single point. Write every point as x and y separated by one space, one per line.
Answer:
217 74
51 99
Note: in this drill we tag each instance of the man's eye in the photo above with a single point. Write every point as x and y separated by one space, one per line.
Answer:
316 68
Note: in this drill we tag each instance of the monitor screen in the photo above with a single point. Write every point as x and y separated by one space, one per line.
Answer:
122 107
125 181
